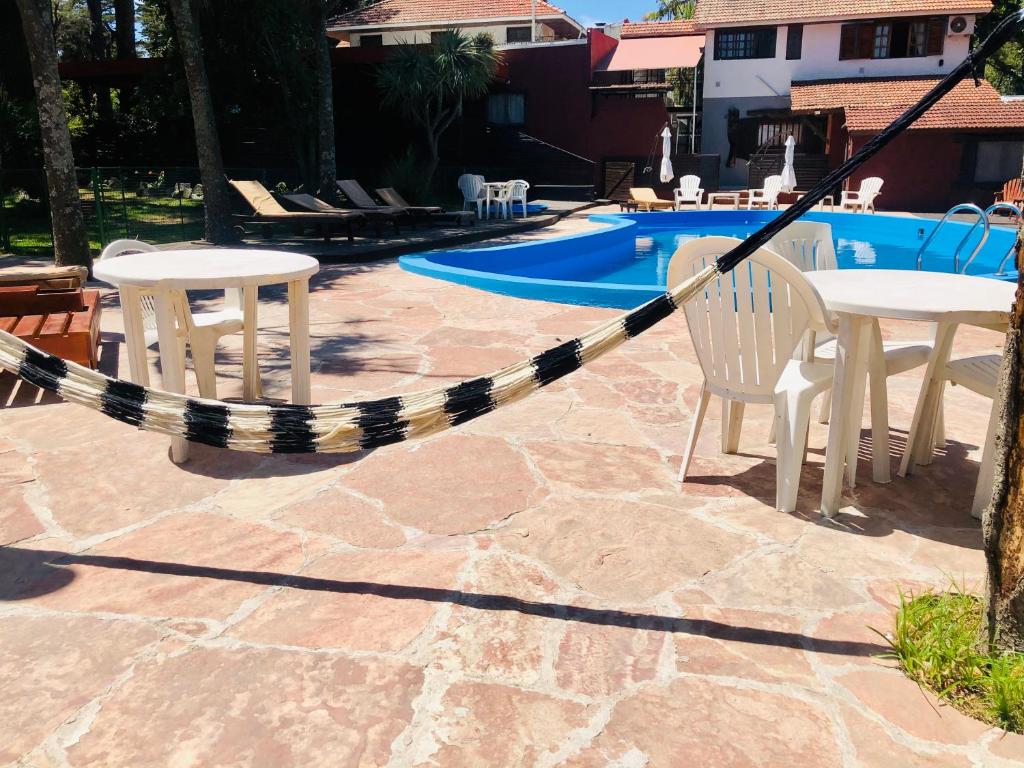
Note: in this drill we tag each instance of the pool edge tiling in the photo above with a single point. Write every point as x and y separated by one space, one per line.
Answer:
535 269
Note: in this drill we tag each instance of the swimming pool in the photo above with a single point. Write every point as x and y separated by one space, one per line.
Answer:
625 263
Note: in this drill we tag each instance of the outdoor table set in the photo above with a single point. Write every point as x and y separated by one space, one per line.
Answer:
163 273
860 297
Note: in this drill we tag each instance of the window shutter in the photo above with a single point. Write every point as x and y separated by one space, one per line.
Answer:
865 41
848 42
936 35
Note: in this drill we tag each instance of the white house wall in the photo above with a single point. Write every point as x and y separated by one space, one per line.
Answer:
820 59
422 35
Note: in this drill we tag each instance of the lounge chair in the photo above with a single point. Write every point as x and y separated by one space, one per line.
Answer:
767 196
1011 193
317 206
267 212
646 200
391 196
864 198
689 191
48 308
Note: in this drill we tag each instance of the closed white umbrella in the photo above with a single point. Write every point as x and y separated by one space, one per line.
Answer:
667 174
788 172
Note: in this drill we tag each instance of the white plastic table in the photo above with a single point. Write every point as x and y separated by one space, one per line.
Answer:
860 297
165 272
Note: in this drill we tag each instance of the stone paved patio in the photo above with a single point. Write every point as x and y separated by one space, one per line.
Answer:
532 588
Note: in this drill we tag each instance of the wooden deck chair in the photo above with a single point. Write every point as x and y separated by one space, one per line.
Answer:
267 211
391 196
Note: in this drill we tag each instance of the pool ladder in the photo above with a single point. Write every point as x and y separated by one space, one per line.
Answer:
984 219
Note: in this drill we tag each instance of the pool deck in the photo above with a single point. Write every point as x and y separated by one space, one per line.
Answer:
532 588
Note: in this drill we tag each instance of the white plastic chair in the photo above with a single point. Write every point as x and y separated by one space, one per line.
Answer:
744 327
767 196
863 199
201 330
809 246
689 191
472 188
517 190
979 374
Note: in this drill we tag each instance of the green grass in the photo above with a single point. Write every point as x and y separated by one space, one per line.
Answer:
938 642
153 219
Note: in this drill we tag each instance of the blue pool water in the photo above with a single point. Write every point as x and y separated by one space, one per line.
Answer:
625 263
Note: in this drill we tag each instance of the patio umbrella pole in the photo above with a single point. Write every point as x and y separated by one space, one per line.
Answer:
348 427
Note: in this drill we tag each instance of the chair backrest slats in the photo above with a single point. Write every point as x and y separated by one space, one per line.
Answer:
746 325
808 245
471 186
689 184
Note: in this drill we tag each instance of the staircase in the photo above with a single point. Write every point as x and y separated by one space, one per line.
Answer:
768 161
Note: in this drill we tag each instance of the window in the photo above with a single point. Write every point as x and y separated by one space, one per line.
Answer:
436 37
371 41
893 38
794 41
506 109
649 76
998 161
755 43
518 34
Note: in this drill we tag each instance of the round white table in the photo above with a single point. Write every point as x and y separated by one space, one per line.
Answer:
165 272
491 190
860 297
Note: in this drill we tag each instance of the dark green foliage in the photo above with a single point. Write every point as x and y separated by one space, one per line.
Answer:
668 10
1005 70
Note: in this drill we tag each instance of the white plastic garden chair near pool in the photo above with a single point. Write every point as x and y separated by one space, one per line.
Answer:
863 199
689 191
200 330
745 345
809 246
472 188
767 196
514 192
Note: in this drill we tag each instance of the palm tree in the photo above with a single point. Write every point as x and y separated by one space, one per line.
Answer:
672 9
211 166
431 84
70 243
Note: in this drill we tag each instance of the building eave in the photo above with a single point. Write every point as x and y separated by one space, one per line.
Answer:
455 23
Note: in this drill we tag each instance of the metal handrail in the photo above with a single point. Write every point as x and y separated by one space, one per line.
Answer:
1015 210
982 219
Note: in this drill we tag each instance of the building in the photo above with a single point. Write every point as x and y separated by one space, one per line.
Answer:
583 110
834 75
509 22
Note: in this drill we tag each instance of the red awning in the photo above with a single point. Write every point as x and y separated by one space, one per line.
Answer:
654 53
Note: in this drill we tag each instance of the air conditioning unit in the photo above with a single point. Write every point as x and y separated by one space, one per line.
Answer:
960 25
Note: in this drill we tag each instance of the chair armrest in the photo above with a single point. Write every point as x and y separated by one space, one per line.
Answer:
850 197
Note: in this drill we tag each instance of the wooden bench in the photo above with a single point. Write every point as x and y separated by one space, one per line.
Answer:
64 322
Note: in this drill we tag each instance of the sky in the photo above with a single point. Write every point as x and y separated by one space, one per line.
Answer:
588 11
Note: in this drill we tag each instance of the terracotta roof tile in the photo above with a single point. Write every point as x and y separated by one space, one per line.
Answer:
398 12
718 13
871 104
660 29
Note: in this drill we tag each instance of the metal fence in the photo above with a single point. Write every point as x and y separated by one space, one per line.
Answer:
158 205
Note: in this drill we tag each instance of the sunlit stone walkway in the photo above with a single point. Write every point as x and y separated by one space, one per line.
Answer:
533 588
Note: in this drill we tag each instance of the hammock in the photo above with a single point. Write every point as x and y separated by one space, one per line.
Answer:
348 427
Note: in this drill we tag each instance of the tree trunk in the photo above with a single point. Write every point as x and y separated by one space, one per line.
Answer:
70 243
124 20
327 162
1003 524
211 166
98 44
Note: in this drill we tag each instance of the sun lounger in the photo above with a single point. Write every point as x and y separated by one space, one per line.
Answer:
267 212
317 206
360 198
391 196
646 200
49 309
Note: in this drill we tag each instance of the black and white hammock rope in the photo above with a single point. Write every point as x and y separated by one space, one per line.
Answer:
370 424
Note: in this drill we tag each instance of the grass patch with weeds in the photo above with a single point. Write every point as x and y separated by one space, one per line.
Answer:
938 641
